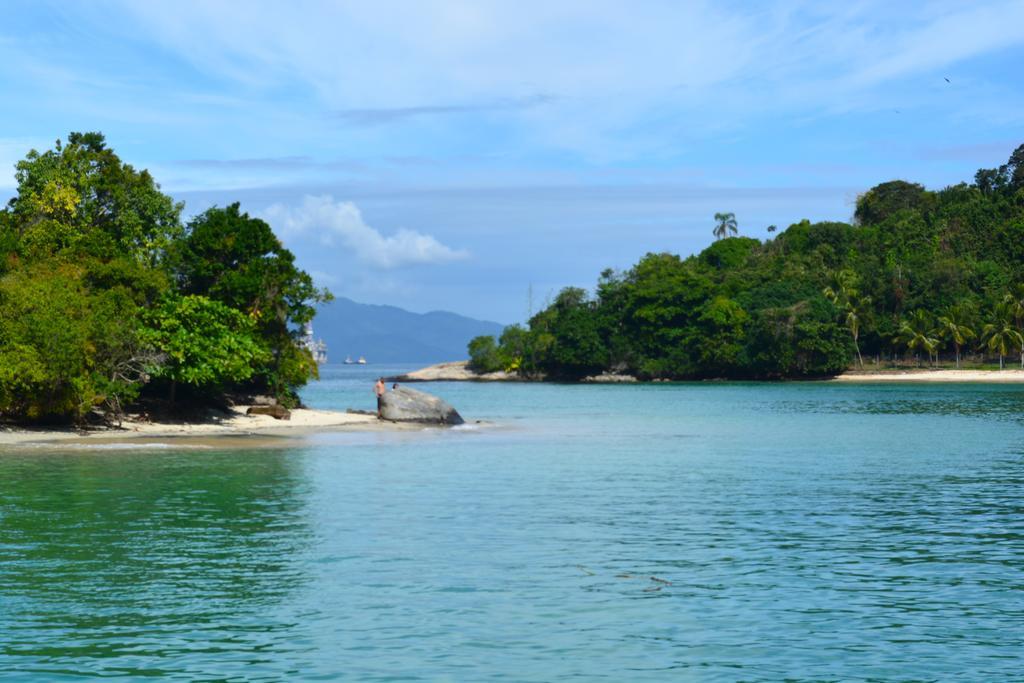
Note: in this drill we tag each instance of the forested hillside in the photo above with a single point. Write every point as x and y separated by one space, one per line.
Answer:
106 296
918 274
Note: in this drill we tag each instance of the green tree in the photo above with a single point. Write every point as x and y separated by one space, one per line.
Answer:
576 348
721 322
725 223
1008 178
1001 335
729 254
64 348
917 333
235 259
885 201
202 343
801 340
1014 302
81 198
955 326
516 353
483 354
853 308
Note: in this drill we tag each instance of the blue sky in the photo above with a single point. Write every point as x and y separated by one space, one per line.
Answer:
456 155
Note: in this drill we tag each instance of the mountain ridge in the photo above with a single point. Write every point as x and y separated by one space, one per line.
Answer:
383 333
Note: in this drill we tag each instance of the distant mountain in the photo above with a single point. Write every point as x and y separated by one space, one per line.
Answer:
386 334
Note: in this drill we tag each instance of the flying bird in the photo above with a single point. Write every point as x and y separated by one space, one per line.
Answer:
947 80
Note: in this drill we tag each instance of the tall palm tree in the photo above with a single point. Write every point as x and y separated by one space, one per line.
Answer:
854 316
916 333
954 325
1014 301
1001 336
843 294
726 223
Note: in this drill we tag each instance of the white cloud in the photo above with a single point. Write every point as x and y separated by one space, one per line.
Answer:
621 78
340 224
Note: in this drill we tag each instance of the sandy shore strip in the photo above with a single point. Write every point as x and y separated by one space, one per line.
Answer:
303 421
1007 376
458 371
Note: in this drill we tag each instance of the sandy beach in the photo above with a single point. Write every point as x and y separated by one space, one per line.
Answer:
1007 376
303 421
458 371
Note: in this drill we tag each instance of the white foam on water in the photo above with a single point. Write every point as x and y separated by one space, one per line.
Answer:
129 446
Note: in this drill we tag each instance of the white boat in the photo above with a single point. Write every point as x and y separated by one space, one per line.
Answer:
361 361
349 361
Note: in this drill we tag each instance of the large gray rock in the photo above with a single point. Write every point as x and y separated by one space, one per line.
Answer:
408 405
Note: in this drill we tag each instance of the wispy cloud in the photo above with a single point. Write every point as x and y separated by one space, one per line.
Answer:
341 225
285 163
379 116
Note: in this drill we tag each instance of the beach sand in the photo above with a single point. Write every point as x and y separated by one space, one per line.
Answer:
459 371
1007 376
238 425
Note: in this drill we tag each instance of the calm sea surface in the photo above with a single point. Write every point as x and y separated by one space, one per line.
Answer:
689 532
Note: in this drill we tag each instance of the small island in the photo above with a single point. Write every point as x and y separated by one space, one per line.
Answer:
118 318
919 280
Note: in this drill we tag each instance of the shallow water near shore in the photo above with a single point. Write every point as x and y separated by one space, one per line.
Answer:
706 532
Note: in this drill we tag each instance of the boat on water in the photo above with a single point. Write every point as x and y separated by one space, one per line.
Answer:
361 361
349 361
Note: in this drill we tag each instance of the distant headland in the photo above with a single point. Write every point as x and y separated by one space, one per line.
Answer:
918 279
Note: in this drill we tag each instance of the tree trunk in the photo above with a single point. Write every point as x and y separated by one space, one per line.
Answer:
957 356
1000 361
173 391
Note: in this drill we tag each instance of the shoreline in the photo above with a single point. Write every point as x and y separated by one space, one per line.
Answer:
926 375
458 371
303 422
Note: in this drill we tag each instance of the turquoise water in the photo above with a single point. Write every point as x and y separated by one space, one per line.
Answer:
794 531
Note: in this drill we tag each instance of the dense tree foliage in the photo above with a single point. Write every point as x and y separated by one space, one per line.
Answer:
237 260
918 274
106 295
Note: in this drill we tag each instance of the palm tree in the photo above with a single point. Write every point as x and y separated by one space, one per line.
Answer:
853 319
1002 336
843 294
954 326
726 224
916 333
1014 301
